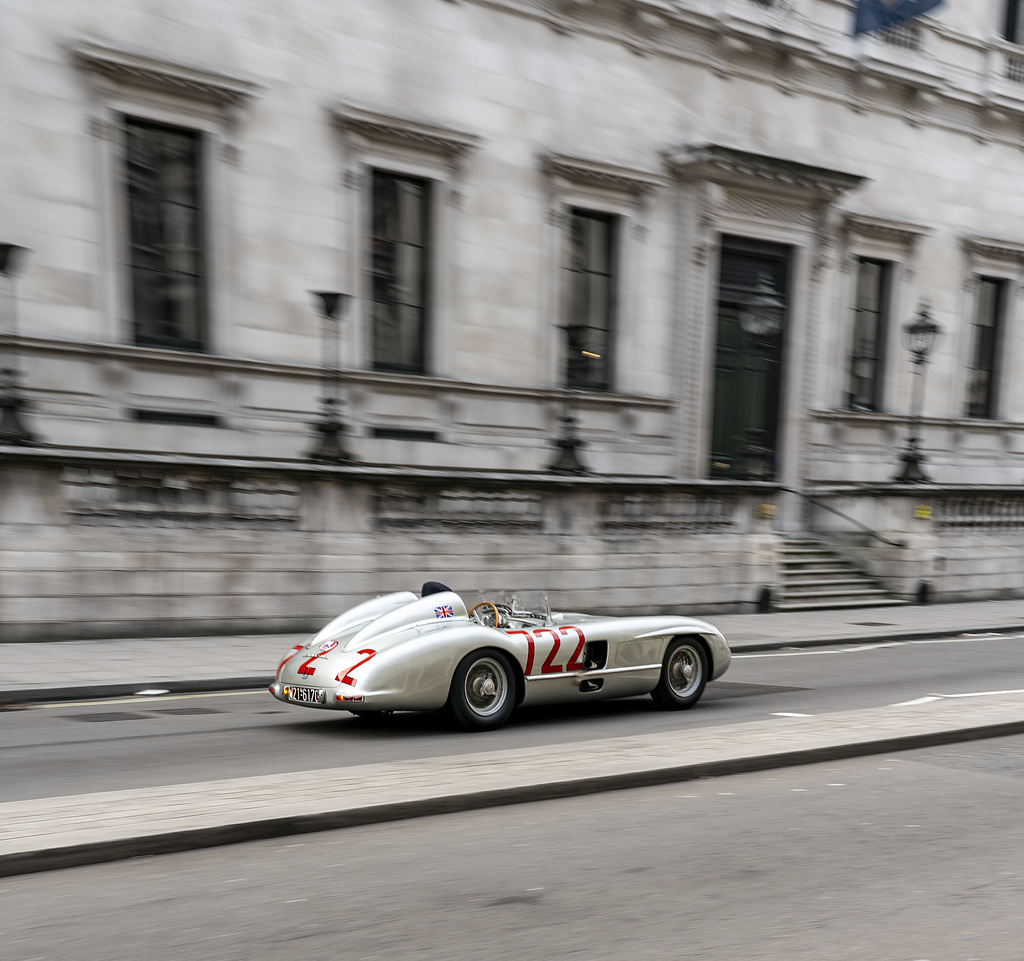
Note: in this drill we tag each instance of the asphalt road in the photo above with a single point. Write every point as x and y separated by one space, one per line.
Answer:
903 857
61 749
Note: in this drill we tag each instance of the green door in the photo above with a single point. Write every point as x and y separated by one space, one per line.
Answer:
745 419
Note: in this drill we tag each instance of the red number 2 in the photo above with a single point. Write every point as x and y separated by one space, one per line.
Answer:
547 667
530 649
574 661
348 678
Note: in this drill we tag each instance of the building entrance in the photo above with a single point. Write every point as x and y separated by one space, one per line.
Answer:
748 366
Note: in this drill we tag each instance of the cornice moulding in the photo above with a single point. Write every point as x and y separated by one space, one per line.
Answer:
378 125
131 68
581 170
902 231
723 164
990 247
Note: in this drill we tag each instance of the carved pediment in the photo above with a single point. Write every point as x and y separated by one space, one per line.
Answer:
900 233
720 164
582 171
378 126
989 248
134 70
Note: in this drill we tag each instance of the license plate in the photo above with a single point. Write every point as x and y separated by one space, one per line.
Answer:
307 695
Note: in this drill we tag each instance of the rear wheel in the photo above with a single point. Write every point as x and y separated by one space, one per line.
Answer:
483 690
684 674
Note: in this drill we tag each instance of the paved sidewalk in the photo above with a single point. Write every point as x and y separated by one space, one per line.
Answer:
110 668
48 833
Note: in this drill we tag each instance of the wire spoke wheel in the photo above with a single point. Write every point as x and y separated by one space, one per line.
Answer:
684 674
683 670
486 687
483 690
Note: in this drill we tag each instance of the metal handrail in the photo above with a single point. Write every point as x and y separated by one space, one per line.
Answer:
845 517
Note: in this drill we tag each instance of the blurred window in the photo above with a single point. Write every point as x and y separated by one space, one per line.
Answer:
399 266
870 323
167 255
989 303
1013 28
590 272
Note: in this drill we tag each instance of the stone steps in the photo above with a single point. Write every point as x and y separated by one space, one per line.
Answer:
816 578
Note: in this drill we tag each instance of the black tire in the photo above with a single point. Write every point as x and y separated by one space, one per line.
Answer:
483 690
684 675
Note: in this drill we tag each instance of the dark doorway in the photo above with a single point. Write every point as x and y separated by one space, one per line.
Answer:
748 370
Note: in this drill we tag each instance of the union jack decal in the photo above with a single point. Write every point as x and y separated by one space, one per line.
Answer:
445 610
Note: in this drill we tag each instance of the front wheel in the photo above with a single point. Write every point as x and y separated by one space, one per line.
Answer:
684 675
483 690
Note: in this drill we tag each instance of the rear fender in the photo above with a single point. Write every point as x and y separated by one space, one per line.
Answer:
417 671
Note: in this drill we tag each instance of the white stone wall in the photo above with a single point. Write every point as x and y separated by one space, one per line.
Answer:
620 82
479 95
130 548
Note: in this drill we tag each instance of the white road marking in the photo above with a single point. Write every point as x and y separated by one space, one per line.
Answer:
152 692
928 698
789 714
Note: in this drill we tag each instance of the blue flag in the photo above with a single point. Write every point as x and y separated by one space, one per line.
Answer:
879 14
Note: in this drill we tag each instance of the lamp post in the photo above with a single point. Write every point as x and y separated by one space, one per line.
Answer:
920 336
12 429
568 442
330 447
761 317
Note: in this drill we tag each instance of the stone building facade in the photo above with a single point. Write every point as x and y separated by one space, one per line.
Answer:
551 218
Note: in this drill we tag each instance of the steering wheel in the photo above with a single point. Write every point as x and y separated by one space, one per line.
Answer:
480 617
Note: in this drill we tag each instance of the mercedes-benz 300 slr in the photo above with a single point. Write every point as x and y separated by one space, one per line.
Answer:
400 652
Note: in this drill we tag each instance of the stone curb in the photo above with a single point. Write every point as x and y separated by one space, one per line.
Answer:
44 695
340 812
743 647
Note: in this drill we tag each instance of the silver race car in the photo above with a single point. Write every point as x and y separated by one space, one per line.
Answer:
400 652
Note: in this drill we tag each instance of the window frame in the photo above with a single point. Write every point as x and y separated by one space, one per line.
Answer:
138 338
1002 260
126 83
428 246
989 410
571 278
606 189
372 139
896 242
882 295
1013 22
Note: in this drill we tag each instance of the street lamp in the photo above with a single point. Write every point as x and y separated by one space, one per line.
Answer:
330 447
568 442
12 430
920 336
761 316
